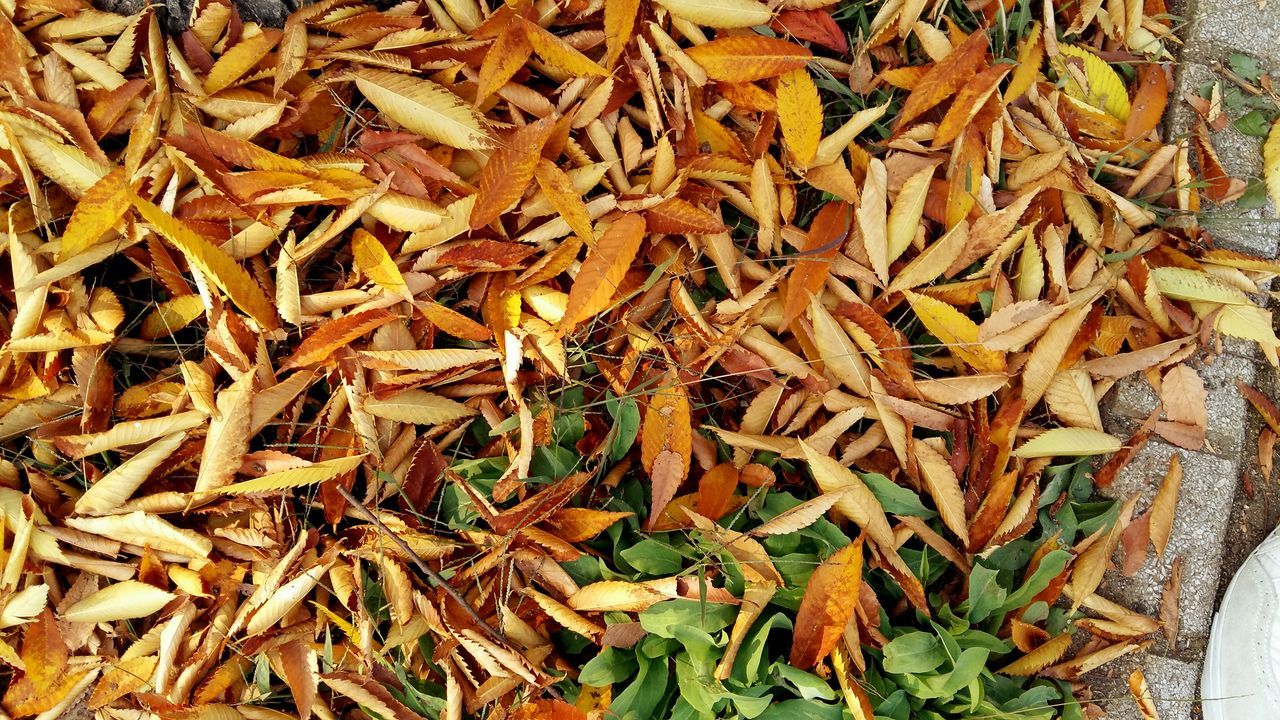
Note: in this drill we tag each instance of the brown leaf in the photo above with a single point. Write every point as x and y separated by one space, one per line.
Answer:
1165 505
1171 602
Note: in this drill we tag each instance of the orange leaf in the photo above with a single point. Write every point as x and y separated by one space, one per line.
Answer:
945 78
564 197
968 102
548 710
715 490
827 605
1147 109
334 334
678 216
666 442
607 263
827 232
619 19
745 58
508 53
509 170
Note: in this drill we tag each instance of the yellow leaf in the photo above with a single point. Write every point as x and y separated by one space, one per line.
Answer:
720 13
614 595
908 208
560 54
1197 285
146 530
944 488
296 477
423 107
856 501
122 601
213 262
1040 658
955 330
239 59
418 407
97 212
434 360
800 115
619 20
375 262
1271 165
1069 442
117 486
1105 91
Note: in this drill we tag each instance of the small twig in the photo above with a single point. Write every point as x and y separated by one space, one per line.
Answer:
434 576
1239 81
423 567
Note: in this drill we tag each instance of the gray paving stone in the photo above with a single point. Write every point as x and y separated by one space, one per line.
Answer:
1174 685
1199 527
1225 403
1219 26
1132 398
1244 231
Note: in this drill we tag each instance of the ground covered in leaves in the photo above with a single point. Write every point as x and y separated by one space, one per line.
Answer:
601 358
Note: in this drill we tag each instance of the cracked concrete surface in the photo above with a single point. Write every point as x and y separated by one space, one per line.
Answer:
1225 508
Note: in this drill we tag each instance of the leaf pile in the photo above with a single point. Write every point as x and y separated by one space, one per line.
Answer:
596 358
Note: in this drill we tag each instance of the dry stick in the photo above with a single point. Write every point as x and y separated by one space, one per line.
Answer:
419 563
434 576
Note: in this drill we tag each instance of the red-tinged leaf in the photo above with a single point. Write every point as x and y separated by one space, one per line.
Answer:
829 601
746 58
509 170
816 26
1263 404
827 233
945 78
539 506
325 340
607 263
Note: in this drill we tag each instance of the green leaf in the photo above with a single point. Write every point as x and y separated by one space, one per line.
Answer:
896 499
652 557
612 665
985 593
697 686
1249 68
806 684
664 618
640 699
915 652
1255 123
1049 568
802 710
626 425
